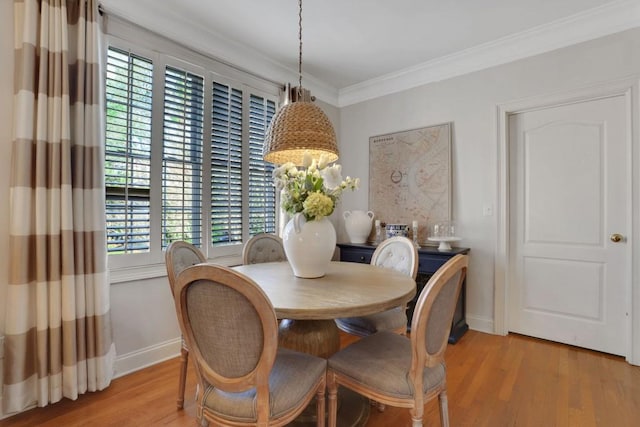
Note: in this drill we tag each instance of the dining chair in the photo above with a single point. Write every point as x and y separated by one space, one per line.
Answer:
246 379
404 371
263 247
397 253
178 256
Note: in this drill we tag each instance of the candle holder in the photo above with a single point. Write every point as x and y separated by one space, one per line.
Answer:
378 232
414 233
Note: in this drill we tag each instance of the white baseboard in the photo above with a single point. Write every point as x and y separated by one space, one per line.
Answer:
139 359
480 324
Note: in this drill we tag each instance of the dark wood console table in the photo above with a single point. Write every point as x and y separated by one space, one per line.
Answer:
430 259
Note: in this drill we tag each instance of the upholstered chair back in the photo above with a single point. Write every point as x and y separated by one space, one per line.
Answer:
232 348
263 247
178 256
398 253
230 323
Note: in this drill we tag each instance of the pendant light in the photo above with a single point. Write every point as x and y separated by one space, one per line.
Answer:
299 126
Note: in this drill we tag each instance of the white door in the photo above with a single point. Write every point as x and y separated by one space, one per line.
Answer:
569 191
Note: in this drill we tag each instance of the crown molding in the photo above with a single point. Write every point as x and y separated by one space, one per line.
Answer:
203 40
591 24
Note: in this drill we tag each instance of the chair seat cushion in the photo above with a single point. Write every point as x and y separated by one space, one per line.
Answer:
367 325
382 362
285 394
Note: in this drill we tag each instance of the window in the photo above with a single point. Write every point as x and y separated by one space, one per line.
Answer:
226 165
128 151
183 157
262 198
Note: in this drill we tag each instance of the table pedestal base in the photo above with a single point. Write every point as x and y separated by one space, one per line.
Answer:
318 337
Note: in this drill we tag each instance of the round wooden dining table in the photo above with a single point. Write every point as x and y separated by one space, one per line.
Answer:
308 306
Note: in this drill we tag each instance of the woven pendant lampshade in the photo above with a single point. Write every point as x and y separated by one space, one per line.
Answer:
299 126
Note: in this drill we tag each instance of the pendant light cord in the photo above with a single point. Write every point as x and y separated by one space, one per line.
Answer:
300 47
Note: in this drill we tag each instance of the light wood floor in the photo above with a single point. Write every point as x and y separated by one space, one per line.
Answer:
493 381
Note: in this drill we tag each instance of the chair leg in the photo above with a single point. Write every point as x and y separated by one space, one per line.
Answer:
417 412
444 408
332 389
202 421
320 400
184 359
403 331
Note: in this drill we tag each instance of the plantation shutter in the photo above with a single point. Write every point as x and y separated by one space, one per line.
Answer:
226 165
128 151
262 197
182 157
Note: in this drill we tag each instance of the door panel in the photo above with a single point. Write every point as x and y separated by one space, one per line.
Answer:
568 192
552 174
546 281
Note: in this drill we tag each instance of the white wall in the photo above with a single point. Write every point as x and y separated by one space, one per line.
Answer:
470 102
144 322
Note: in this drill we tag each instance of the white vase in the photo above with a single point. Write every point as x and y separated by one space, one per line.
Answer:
358 225
309 245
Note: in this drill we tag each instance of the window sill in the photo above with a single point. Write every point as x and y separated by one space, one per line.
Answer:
152 271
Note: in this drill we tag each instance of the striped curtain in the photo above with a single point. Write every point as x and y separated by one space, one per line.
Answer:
58 340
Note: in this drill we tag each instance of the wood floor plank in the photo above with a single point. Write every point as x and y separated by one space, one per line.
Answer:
493 381
562 397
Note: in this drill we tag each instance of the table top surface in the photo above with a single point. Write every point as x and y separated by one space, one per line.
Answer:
348 289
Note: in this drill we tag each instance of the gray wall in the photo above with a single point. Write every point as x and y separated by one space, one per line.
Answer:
470 102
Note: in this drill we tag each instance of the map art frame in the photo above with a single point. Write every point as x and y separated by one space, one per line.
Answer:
410 177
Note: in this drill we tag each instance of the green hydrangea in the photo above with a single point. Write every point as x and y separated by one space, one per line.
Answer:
318 205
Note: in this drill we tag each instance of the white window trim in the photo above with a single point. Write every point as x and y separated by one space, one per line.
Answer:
128 37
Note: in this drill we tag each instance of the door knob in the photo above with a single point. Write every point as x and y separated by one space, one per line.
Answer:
615 237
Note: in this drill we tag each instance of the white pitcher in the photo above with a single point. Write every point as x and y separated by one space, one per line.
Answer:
358 225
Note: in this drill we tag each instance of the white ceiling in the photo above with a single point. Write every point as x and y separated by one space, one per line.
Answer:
353 49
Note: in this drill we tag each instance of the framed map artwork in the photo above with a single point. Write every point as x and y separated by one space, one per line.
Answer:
410 177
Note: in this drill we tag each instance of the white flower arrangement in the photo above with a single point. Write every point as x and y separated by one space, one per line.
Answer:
314 190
